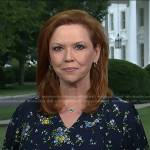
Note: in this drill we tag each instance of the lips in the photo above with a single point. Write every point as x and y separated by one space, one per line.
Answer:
70 69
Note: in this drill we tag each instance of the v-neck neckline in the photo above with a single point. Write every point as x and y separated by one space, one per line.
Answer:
73 125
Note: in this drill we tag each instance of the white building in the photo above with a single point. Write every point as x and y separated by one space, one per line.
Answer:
130 19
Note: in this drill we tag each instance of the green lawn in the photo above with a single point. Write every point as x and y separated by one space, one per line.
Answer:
144 114
6 112
2 134
15 89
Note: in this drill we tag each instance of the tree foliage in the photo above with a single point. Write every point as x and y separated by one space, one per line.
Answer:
97 8
20 22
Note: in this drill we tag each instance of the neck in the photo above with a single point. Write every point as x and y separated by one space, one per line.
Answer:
74 94
74 91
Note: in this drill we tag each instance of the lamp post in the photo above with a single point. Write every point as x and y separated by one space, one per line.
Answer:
118 41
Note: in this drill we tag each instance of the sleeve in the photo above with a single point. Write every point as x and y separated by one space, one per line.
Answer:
13 133
133 130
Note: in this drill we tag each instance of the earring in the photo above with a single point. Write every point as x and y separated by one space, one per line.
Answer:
50 67
94 64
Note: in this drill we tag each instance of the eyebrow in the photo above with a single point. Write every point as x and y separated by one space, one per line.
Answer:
79 42
55 43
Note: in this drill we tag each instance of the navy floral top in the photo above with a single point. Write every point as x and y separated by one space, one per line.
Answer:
114 126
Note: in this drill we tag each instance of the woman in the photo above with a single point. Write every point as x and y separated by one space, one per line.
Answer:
74 109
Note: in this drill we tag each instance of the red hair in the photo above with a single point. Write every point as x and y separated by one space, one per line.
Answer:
48 82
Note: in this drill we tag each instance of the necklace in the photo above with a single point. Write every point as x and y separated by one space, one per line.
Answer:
71 109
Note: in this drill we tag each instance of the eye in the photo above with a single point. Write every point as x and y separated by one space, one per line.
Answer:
79 46
57 48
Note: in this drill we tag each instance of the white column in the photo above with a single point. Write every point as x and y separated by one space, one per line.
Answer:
132 52
149 32
146 32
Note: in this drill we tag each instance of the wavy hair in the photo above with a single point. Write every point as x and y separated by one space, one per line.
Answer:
47 80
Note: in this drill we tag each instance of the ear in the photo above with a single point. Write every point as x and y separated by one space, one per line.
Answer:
97 53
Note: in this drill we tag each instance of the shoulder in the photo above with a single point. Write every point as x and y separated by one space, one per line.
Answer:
23 113
119 103
31 103
29 106
120 111
118 107
20 118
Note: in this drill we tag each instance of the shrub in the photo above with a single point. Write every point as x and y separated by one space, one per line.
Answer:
9 75
16 72
2 78
128 80
147 68
30 74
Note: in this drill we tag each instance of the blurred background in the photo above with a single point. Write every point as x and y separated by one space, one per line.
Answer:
126 23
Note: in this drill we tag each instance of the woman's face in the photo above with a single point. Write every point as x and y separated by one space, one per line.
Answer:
72 53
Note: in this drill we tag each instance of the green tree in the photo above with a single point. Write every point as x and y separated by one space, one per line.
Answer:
20 21
97 8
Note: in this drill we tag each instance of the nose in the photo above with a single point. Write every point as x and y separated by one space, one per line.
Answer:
68 55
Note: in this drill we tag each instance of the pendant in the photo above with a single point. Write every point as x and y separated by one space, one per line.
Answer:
71 110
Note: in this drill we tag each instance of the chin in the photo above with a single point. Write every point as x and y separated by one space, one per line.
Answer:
70 80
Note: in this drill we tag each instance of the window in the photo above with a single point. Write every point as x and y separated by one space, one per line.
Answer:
112 52
142 55
111 22
141 17
123 53
123 20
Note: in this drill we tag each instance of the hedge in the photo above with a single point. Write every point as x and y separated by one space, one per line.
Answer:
128 80
2 78
10 75
30 74
147 68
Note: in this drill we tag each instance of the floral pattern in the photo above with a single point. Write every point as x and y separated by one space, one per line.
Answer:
116 125
60 136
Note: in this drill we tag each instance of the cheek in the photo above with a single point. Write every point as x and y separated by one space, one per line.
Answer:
56 60
87 59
